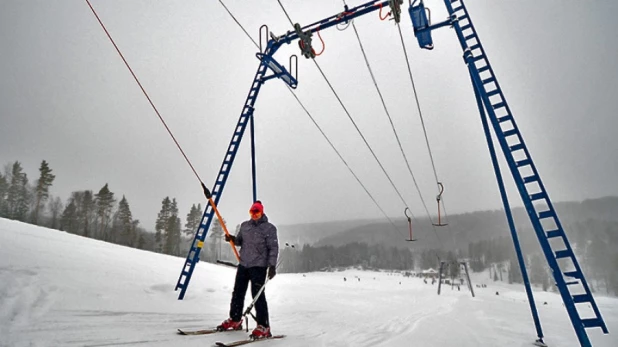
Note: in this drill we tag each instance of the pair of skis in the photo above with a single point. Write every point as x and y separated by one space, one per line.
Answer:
228 344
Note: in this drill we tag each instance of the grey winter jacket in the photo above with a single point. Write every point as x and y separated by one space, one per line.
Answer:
259 246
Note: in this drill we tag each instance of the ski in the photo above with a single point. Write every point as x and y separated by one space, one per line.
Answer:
203 332
197 332
247 341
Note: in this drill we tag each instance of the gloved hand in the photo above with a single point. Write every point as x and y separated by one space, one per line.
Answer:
272 271
229 238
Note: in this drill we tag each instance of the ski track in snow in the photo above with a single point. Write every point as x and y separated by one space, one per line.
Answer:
58 289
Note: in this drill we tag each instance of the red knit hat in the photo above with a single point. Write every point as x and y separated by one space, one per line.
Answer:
257 206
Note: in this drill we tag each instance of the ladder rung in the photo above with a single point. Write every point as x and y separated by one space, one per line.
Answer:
493 92
554 233
571 283
578 299
516 147
467 26
505 118
537 196
546 214
489 80
218 183
575 274
479 57
498 105
510 132
563 254
457 8
484 68
531 179
523 162
473 47
471 36
592 323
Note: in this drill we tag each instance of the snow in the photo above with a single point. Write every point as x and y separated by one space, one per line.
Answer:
58 289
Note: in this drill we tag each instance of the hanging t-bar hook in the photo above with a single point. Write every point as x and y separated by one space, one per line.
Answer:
409 222
438 198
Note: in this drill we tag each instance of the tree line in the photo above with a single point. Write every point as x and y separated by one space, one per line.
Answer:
97 214
593 241
103 216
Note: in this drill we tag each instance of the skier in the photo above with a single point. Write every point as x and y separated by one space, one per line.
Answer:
259 249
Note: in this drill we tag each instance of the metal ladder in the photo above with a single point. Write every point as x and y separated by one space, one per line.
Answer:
565 268
198 242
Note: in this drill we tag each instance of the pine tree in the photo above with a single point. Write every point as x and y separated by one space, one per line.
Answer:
41 191
161 223
18 197
55 206
141 241
172 231
69 220
194 217
216 234
135 240
104 201
4 190
88 212
77 198
125 220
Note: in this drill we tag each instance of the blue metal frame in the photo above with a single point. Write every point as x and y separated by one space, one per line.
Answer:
507 210
489 97
267 62
527 179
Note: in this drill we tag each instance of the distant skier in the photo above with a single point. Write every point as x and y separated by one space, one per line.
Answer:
259 249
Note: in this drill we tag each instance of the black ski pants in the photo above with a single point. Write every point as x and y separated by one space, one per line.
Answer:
257 276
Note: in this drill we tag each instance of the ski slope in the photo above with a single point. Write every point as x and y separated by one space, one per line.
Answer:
58 289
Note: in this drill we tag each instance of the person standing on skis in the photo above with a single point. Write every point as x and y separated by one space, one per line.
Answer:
259 249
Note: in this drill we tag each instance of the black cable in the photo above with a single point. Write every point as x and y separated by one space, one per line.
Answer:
319 128
420 113
375 83
240 25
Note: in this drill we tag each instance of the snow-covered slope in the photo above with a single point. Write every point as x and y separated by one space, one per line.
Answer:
58 289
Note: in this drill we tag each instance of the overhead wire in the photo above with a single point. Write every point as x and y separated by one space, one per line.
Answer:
420 113
352 119
393 127
319 128
206 191
240 25
375 83
145 93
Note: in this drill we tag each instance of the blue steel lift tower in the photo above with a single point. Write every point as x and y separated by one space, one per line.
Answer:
492 104
494 111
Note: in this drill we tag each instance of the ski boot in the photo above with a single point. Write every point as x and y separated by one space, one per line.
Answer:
230 324
260 332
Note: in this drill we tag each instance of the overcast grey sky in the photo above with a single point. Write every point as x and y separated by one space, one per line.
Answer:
66 97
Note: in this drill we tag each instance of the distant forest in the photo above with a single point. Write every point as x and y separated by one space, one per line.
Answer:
592 228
